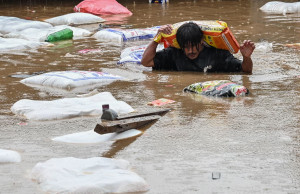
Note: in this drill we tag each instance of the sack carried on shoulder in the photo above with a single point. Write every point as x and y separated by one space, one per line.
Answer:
216 34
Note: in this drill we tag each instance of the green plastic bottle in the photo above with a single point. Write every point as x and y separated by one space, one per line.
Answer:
64 34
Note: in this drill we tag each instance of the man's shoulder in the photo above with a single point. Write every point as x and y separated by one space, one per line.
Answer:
213 49
170 51
216 51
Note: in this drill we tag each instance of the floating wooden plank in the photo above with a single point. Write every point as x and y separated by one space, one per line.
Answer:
160 112
125 124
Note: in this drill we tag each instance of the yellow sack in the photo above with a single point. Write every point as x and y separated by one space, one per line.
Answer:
215 33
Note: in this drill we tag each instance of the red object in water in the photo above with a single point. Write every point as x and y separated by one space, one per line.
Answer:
160 102
22 123
101 7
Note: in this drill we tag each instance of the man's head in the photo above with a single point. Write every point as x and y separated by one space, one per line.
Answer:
189 37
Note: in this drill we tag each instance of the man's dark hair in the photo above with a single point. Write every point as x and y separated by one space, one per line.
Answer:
189 34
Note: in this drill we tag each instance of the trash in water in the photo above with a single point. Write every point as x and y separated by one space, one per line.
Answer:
160 102
64 34
126 26
108 114
295 45
216 175
130 121
23 123
158 1
85 51
219 88
169 86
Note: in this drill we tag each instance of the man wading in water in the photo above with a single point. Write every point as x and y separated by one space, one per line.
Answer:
193 56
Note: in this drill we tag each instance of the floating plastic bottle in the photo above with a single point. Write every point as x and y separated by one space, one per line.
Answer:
108 114
64 34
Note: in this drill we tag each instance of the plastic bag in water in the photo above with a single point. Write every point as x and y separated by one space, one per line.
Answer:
219 88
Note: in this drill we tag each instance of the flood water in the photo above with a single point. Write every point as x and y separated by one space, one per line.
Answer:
253 141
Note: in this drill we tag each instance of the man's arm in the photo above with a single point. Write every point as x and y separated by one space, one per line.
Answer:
149 54
150 51
247 49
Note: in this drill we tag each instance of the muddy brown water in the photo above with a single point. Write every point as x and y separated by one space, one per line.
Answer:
252 141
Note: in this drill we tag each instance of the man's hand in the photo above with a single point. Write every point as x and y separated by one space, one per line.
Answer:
150 51
166 29
247 48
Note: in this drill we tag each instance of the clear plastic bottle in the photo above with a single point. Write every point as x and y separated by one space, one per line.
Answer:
64 34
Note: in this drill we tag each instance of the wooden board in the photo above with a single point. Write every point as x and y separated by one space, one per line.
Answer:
160 112
125 124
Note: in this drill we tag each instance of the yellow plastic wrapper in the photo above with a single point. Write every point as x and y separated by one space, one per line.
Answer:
216 34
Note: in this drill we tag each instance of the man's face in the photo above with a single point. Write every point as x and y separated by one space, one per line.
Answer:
192 52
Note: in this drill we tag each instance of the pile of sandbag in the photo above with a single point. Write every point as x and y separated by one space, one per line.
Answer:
20 34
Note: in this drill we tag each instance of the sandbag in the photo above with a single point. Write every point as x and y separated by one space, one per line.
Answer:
91 175
9 44
134 54
120 35
218 88
84 105
75 19
278 7
14 24
71 79
9 156
216 34
101 7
